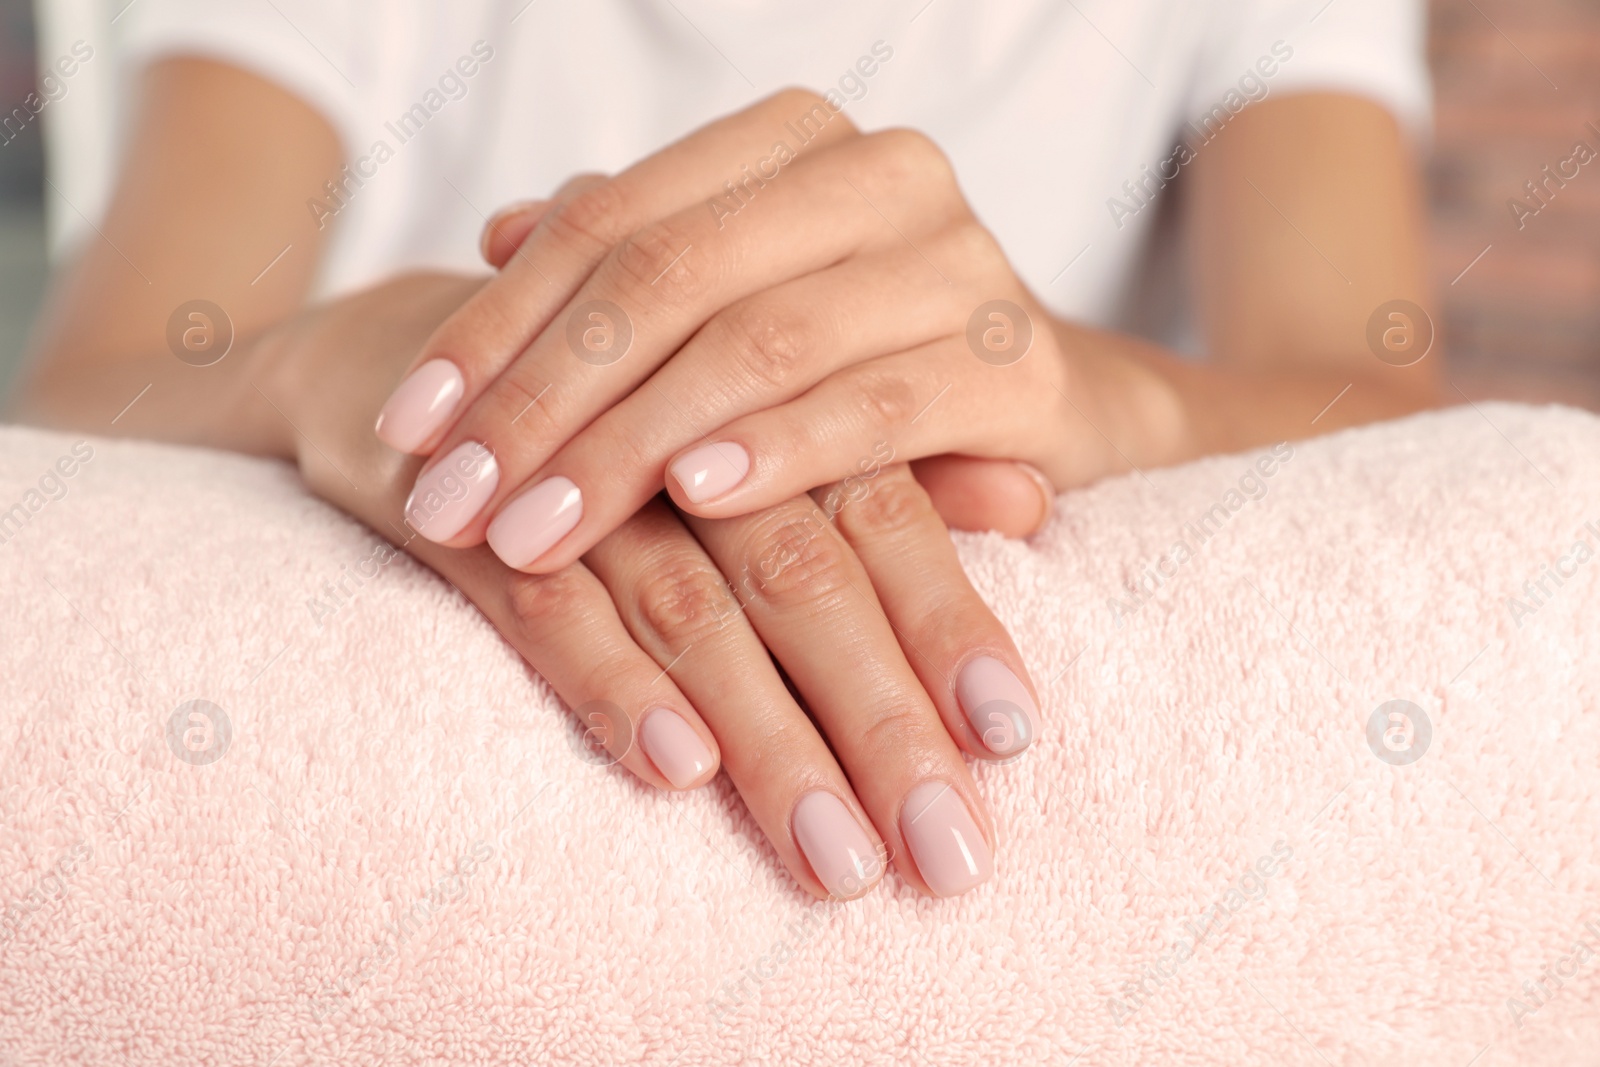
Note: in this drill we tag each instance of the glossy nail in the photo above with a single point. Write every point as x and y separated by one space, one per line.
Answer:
673 747
998 705
710 470
1047 494
841 854
944 840
531 524
449 494
420 405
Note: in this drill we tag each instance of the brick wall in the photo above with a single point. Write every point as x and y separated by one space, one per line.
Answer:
1513 96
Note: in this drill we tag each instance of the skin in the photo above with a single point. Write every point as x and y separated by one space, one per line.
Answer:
634 607
832 312
647 618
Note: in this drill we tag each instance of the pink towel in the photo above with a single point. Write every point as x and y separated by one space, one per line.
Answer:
1319 784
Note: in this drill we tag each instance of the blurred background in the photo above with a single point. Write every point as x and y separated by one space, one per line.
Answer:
1517 85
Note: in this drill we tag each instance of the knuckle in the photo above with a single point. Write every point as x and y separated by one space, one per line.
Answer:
895 503
887 400
540 602
798 560
795 98
680 601
971 242
807 109
896 733
908 155
770 341
592 217
657 259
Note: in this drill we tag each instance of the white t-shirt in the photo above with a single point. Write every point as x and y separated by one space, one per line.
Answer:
1062 117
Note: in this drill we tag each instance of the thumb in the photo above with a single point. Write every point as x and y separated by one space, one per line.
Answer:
1006 496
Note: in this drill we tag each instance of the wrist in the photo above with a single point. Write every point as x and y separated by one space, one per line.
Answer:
1137 413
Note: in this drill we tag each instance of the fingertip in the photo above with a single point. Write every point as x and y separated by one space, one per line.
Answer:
676 749
971 493
507 228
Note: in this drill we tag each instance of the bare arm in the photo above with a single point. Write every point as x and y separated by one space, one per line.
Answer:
1306 217
219 167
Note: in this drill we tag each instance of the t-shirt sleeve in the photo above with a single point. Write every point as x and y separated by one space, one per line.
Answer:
1370 48
310 48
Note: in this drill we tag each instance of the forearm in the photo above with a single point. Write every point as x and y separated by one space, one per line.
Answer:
155 395
1160 409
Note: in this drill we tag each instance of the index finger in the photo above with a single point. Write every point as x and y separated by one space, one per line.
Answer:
480 339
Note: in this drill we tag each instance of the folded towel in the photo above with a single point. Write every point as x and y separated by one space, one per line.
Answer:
1319 783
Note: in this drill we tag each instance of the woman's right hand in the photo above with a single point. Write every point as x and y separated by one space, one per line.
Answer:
664 636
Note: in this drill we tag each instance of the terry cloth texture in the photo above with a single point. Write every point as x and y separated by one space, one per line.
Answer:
377 840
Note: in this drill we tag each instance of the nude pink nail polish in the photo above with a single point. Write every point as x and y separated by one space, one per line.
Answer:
944 840
420 405
449 494
998 705
841 854
710 470
673 746
531 524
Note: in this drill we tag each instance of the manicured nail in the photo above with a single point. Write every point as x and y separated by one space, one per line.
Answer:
944 840
710 470
496 220
998 705
420 405
1047 493
449 494
530 525
673 746
841 854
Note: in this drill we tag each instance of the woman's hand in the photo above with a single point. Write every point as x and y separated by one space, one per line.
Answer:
756 343
663 637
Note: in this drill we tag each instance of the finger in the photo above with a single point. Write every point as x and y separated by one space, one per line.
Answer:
1010 498
813 605
507 228
481 338
759 352
677 607
927 401
652 293
567 628
963 656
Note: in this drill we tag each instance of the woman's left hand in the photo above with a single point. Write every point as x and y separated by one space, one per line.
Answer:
754 344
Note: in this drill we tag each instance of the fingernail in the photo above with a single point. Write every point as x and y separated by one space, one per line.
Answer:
490 227
1047 493
944 841
841 854
531 524
420 405
998 705
710 470
673 746
449 494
